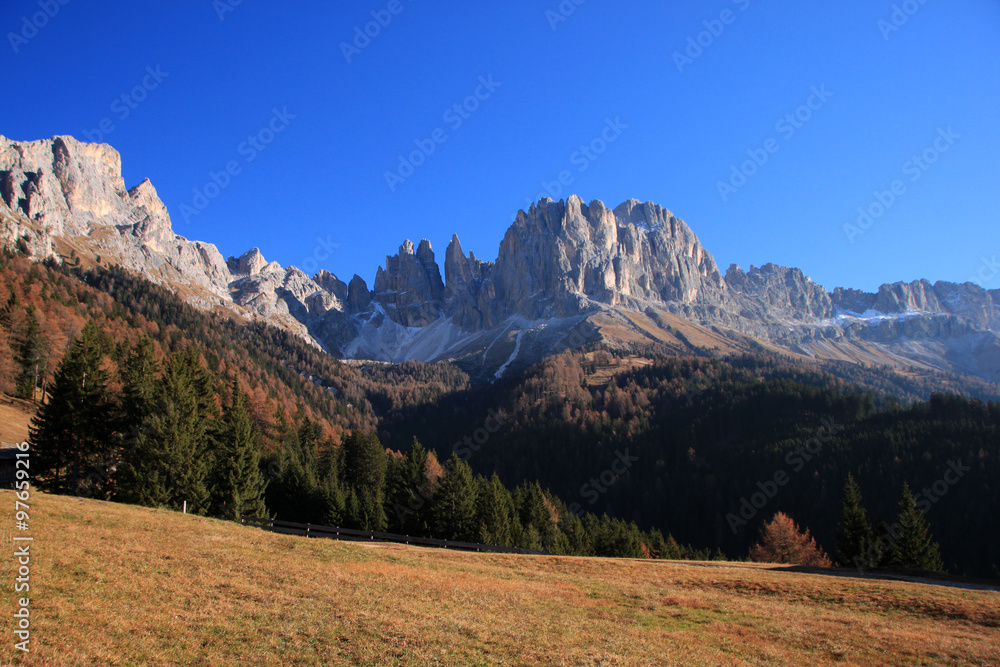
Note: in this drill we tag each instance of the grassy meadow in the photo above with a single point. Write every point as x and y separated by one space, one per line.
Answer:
120 585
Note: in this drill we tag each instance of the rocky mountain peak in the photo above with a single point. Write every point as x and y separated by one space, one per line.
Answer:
410 287
559 263
332 284
249 263
358 296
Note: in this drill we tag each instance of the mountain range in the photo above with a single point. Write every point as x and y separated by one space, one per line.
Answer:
567 274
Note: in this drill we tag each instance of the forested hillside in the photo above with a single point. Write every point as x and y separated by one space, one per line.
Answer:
705 434
148 400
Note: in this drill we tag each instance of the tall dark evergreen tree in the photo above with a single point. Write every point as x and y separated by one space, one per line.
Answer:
913 547
293 484
73 433
855 545
238 487
137 371
453 511
173 453
536 517
409 491
30 355
494 512
364 471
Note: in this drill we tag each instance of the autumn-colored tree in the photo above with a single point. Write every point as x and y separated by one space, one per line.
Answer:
782 542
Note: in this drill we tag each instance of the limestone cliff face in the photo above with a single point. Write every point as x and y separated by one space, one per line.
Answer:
778 292
410 287
563 258
61 188
464 279
558 264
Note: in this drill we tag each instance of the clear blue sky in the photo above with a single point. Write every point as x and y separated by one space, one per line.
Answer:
324 174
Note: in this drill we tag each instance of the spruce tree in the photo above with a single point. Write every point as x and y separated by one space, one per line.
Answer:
173 453
534 511
854 538
73 433
137 372
409 491
453 511
333 500
238 487
494 512
914 547
30 355
293 491
364 473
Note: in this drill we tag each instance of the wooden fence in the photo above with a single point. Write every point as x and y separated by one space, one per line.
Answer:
313 530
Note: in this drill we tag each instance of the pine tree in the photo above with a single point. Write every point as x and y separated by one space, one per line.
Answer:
914 547
238 489
494 512
409 491
855 545
172 456
364 473
30 355
331 492
535 511
73 433
453 510
137 372
293 490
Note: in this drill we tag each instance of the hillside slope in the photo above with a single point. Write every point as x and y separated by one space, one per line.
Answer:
120 585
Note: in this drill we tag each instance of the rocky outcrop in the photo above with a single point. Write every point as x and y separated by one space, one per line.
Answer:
785 293
464 278
559 264
852 300
358 297
560 259
331 283
410 288
250 263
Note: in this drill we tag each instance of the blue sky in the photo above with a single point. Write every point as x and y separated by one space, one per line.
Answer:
925 88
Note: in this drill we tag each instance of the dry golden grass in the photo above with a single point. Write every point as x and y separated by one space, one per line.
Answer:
14 417
120 585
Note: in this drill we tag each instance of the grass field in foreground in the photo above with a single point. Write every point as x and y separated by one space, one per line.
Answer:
121 585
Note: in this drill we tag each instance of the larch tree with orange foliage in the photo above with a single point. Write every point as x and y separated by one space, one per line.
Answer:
782 542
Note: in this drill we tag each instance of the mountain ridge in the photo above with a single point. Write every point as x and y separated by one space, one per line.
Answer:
635 274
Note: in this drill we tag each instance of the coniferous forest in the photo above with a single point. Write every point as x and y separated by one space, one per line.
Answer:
147 400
